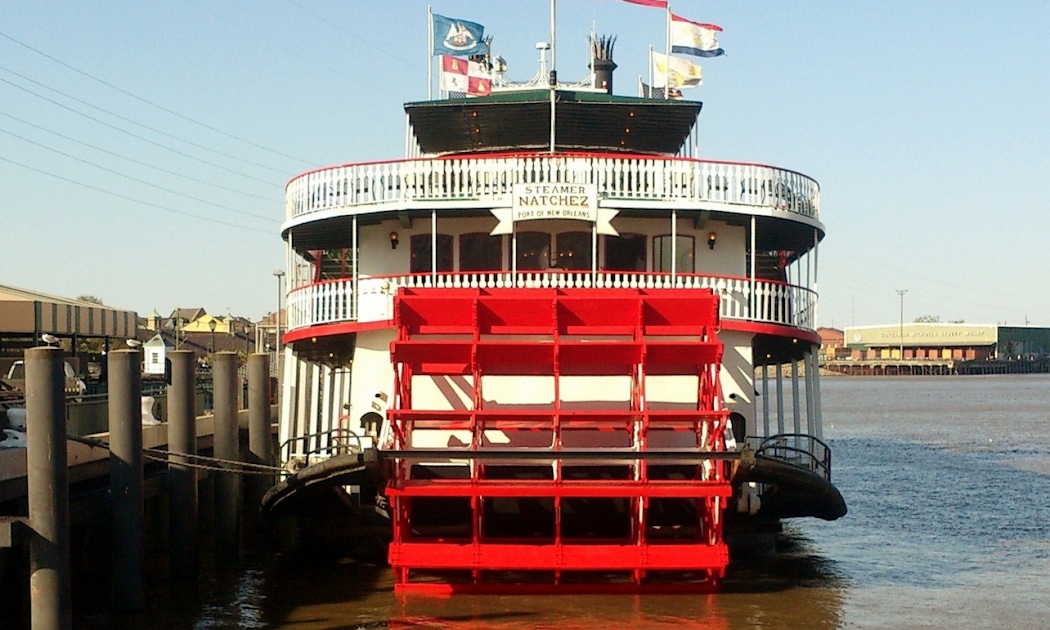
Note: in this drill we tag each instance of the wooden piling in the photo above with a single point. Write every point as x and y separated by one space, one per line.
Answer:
227 484
182 478
260 441
50 582
126 478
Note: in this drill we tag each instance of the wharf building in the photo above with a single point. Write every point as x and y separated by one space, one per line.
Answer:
937 348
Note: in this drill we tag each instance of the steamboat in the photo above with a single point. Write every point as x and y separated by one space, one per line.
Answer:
552 347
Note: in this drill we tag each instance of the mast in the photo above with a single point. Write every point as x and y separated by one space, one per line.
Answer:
553 73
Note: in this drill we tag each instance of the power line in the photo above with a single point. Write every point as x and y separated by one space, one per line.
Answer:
134 179
128 198
151 103
134 161
138 124
353 35
135 135
313 61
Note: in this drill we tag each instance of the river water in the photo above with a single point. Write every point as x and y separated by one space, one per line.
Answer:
947 480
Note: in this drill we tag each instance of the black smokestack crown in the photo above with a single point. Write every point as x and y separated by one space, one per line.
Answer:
602 63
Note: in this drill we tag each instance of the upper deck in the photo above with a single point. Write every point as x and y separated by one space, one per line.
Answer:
473 161
483 181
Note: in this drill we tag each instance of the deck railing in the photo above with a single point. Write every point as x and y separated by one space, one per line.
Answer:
798 449
336 301
490 181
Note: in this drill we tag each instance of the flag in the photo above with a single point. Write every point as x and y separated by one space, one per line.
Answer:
694 38
458 37
649 91
679 72
460 75
658 4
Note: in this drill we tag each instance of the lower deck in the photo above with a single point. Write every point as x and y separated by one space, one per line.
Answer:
550 432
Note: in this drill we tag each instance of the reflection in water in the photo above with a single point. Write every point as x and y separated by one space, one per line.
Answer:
797 587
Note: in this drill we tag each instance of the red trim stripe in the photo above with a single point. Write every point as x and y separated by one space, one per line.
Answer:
712 27
656 4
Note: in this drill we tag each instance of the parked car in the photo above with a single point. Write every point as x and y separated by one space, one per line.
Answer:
75 386
10 396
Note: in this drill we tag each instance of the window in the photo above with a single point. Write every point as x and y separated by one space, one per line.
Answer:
574 251
534 250
480 252
421 258
628 252
662 254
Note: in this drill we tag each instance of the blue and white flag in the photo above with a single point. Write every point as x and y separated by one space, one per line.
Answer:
458 37
694 38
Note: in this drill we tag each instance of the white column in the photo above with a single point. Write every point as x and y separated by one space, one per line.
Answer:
674 244
780 398
754 261
796 404
765 399
818 422
354 257
811 373
433 246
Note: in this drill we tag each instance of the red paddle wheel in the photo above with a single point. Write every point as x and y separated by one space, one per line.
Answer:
560 440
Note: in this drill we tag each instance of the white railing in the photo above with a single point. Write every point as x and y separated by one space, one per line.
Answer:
491 180
334 301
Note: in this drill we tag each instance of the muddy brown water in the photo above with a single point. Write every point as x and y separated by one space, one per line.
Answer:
948 485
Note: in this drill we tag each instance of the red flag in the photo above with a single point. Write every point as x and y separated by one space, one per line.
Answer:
657 4
460 75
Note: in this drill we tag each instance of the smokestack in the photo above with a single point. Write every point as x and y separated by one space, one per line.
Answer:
601 61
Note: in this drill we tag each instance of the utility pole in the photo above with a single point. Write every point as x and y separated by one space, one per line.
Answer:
277 316
901 293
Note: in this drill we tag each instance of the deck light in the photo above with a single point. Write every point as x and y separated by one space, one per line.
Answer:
711 238
393 240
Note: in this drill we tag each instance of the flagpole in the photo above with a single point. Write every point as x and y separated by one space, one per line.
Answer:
553 72
667 52
651 71
430 52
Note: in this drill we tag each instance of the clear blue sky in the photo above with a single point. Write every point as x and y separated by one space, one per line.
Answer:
926 123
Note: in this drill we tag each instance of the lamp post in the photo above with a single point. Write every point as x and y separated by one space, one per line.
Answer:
247 330
901 293
277 315
211 326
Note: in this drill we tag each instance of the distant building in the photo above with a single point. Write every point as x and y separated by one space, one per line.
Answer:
155 352
832 343
922 341
917 347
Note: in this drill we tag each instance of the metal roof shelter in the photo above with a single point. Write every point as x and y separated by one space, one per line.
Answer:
516 121
26 315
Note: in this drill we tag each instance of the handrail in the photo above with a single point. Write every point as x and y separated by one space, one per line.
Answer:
333 442
798 449
337 301
488 180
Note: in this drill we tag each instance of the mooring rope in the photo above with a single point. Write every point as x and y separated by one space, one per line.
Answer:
160 455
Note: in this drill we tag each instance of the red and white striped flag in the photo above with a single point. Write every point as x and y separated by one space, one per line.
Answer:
461 75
